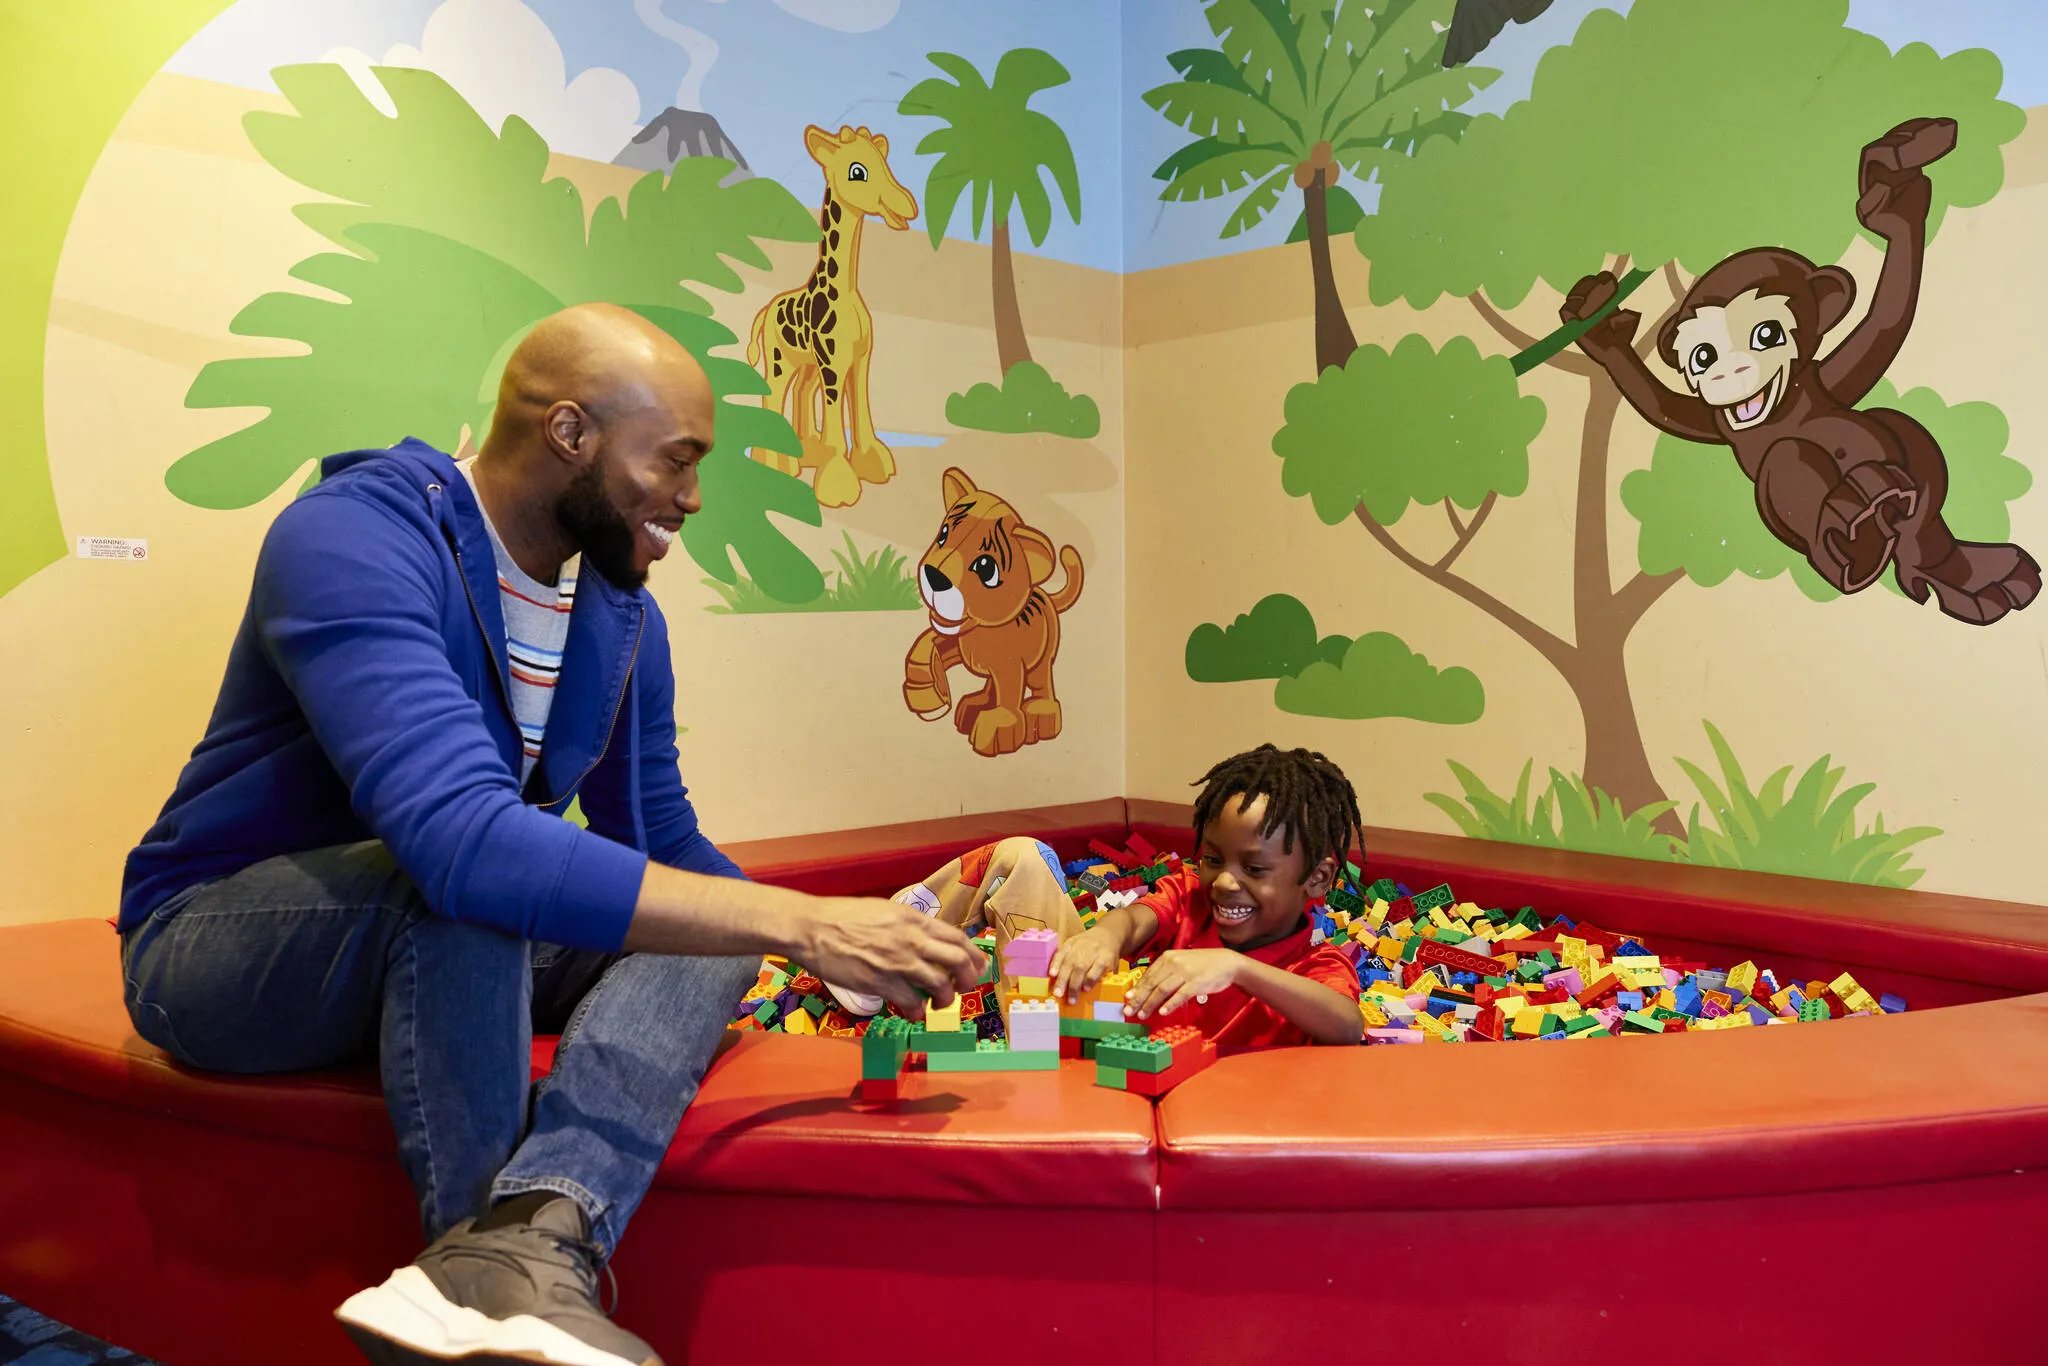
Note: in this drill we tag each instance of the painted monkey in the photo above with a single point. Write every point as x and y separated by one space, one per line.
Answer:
1853 491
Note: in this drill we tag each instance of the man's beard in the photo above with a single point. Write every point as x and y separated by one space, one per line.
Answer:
600 531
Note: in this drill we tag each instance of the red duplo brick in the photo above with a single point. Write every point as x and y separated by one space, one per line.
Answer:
1159 1083
1402 908
1606 986
1456 959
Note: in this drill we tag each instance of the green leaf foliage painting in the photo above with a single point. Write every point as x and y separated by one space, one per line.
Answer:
1374 675
454 243
1297 96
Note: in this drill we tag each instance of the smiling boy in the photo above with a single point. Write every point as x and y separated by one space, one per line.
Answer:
1230 937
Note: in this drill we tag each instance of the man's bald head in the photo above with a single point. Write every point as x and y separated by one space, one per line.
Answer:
607 360
601 421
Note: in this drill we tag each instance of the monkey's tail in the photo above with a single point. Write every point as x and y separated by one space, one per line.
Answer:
1070 591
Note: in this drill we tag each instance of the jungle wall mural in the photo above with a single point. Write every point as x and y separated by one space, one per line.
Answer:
1604 424
1782 261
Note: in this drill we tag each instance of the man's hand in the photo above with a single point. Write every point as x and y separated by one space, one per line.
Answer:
1080 962
1182 975
889 950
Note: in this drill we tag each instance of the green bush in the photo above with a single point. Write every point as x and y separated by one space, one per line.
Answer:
1812 831
1570 815
1029 400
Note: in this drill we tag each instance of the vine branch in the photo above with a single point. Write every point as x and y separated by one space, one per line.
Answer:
1522 341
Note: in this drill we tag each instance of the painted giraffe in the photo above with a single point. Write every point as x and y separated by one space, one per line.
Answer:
813 343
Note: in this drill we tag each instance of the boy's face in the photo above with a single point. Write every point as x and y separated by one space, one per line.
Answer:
1254 884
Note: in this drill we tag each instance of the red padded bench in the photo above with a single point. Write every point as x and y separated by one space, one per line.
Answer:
1764 1188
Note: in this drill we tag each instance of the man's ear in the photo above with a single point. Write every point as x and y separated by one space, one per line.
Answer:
567 429
1321 878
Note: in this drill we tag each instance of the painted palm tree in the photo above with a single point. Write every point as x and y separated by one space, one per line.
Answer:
1294 93
997 146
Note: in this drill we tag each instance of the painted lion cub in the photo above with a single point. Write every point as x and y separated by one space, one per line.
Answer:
981 582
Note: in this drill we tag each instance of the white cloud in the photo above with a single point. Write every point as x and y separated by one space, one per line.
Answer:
848 16
502 57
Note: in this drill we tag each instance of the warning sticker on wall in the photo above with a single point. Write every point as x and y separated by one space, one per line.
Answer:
112 548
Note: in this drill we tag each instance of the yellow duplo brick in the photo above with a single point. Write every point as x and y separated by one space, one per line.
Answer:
942 1021
1388 949
1376 914
799 1022
1782 1000
1467 909
1567 947
1438 918
1510 1005
1514 931
1034 986
1666 999
1374 1016
1847 987
1741 978
1528 1023
1566 1010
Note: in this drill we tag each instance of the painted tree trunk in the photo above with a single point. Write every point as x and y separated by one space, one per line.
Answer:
1334 340
1011 344
1616 761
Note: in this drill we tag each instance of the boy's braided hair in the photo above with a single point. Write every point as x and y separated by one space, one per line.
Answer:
1307 798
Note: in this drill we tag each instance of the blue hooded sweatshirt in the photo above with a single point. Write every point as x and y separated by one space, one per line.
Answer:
366 698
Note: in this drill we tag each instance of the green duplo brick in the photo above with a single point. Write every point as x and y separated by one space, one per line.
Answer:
994 1056
1105 1075
815 1006
956 1041
1439 895
1134 1055
1088 1049
765 1011
1384 890
1341 900
1098 1029
1581 1025
1412 947
1635 1019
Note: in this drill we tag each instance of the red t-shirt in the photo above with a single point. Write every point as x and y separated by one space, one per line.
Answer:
1231 1018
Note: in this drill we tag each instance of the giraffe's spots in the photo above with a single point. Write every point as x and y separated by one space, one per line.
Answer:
832 291
831 345
833 237
830 320
818 307
833 205
831 377
778 366
831 266
824 219
789 334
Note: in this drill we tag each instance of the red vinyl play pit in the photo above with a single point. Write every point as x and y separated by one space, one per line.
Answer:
1867 1184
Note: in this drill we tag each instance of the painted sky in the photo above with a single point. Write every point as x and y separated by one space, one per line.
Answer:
590 68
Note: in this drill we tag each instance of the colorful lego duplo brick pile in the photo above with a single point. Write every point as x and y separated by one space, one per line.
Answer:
1434 970
1430 969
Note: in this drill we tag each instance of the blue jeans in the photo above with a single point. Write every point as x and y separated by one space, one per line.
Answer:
332 956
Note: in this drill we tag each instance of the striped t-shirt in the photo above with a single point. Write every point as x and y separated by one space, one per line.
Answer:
536 628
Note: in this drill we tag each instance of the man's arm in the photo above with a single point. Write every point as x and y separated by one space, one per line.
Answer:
348 600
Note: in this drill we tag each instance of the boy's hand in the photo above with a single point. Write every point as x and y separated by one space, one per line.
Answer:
1182 975
1079 963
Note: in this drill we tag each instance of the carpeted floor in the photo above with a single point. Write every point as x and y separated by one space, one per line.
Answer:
29 1339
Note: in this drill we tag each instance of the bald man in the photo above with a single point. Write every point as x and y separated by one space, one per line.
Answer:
365 855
